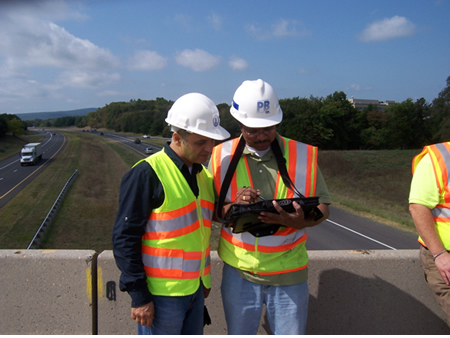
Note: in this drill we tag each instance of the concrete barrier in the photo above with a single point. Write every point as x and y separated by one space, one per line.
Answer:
46 291
352 292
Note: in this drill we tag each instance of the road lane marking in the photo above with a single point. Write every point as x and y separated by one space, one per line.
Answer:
64 142
9 164
360 234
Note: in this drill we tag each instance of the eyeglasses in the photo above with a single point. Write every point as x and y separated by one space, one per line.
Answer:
256 131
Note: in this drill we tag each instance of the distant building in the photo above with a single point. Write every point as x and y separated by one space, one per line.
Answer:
362 104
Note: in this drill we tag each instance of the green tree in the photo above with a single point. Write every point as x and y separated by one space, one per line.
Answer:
16 126
440 115
3 125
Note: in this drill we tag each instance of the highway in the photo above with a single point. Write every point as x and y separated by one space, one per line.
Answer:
342 231
14 177
345 231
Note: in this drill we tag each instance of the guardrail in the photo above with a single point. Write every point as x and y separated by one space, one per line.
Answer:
40 234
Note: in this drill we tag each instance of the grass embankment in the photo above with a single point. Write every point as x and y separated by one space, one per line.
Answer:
374 184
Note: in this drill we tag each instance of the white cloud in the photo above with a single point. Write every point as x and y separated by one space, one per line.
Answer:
147 60
198 60
87 79
215 21
280 29
237 63
38 57
45 44
391 28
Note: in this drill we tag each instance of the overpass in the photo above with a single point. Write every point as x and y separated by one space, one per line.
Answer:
351 292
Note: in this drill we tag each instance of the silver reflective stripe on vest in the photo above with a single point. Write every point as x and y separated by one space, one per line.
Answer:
441 212
300 166
172 224
272 241
177 223
446 157
207 213
172 263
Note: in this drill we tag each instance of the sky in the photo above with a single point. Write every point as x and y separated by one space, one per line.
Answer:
58 55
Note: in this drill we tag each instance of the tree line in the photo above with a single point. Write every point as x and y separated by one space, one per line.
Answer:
329 122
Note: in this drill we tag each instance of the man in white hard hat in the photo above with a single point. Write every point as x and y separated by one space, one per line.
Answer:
163 224
266 268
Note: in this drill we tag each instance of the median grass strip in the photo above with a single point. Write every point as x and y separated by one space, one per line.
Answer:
87 215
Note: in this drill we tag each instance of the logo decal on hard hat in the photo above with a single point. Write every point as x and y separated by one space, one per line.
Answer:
265 105
216 120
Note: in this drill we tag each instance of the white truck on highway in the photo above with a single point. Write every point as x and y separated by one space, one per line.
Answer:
31 153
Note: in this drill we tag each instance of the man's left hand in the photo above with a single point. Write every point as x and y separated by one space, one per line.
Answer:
294 220
206 292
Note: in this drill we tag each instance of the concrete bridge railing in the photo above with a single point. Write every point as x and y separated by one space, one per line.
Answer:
351 292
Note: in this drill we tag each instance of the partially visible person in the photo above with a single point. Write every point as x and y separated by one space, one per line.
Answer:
163 224
429 204
270 270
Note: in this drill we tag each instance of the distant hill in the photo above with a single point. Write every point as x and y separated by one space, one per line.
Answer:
55 114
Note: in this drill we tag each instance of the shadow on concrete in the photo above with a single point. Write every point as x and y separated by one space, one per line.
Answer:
366 306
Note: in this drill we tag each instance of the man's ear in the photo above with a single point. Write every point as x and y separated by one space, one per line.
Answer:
176 139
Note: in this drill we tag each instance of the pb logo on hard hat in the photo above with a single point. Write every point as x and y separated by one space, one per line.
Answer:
264 105
216 120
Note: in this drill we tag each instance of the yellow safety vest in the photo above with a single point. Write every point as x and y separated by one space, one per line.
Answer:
440 158
175 247
285 250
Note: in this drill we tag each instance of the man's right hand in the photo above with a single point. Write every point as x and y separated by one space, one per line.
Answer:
443 264
144 314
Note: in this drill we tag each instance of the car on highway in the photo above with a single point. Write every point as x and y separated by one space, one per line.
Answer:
137 141
146 136
149 150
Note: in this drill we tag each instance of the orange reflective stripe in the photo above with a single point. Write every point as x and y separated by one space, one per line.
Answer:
284 232
292 149
442 219
216 162
169 273
156 216
174 233
311 171
440 155
206 204
148 250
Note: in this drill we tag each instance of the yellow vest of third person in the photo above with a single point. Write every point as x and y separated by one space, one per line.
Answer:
440 157
285 250
175 247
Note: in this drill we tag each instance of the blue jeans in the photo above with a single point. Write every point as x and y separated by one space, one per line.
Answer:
286 306
177 315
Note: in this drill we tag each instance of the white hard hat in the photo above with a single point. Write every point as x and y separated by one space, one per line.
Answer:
255 104
197 114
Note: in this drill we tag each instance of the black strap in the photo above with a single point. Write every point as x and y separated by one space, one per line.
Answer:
281 161
282 167
228 176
